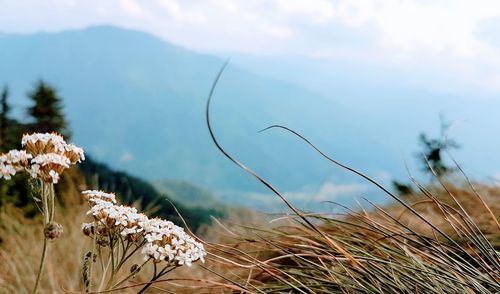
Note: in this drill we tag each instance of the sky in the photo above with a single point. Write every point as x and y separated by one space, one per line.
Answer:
454 38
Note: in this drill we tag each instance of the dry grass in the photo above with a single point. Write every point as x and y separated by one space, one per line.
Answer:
388 250
21 249
20 252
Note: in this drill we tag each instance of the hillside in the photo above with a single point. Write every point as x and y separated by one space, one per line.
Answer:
132 190
119 85
188 194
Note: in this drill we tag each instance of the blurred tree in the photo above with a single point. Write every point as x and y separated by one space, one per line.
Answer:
4 115
431 156
47 110
10 129
16 190
401 188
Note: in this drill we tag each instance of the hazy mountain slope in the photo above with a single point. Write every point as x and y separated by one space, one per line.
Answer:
188 193
137 103
398 103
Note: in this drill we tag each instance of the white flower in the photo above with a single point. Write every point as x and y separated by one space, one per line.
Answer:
91 195
51 158
48 167
54 175
7 171
39 143
172 243
19 159
164 240
74 153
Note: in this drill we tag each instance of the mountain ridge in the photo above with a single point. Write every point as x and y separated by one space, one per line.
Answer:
137 103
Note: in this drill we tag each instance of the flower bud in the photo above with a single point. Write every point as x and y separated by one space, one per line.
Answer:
53 230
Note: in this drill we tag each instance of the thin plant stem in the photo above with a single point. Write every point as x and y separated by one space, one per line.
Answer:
104 274
92 262
131 275
150 282
46 220
42 263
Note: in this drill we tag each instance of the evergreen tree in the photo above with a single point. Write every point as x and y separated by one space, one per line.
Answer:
47 110
10 129
4 115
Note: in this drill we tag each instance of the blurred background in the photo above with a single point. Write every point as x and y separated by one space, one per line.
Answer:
374 84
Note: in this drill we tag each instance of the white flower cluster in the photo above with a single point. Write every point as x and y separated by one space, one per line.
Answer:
92 195
39 143
12 162
49 166
45 157
164 241
168 242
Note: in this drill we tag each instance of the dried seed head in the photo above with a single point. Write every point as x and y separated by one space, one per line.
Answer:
53 230
88 229
87 260
134 269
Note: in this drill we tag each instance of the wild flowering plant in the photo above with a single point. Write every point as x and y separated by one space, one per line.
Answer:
44 157
120 233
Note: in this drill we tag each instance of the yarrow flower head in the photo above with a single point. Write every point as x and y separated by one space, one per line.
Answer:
168 242
162 240
12 162
74 153
38 143
45 157
93 195
49 167
7 171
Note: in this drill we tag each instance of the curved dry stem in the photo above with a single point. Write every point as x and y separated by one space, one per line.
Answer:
260 179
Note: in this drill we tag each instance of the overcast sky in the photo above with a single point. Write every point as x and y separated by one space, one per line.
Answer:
457 38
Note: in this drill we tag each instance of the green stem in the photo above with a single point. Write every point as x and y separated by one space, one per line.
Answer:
52 198
42 262
46 220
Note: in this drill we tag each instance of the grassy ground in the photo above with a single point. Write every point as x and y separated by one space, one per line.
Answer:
446 241
448 244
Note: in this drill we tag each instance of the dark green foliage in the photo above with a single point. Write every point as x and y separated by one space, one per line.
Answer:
16 190
4 114
10 129
431 156
402 188
47 110
131 189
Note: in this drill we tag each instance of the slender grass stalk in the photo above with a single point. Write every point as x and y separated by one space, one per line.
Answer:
48 207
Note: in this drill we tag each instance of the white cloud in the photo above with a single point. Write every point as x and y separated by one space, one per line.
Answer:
132 8
409 26
316 11
442 33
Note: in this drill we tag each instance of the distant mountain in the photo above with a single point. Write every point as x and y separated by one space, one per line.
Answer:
132 190
397 103
187 193
137 103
